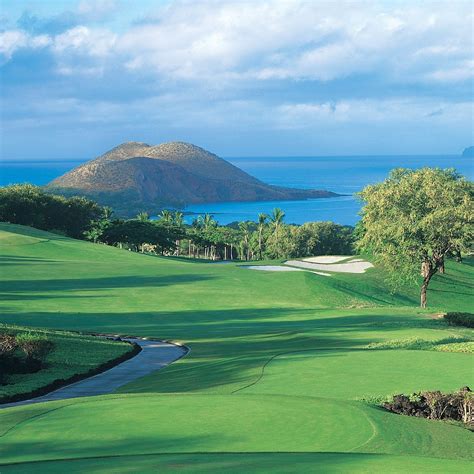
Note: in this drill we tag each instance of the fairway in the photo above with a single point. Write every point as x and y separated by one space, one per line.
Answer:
280 375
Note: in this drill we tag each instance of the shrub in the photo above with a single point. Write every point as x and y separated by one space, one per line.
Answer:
460 319
34 346
8 344
457 406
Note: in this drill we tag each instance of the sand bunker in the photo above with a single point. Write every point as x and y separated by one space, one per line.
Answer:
349 267
272 268
326 259
281 268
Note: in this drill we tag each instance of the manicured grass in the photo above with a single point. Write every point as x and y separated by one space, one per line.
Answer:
72 354
279 363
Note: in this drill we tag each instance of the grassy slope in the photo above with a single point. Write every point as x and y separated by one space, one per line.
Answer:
308 331
72 354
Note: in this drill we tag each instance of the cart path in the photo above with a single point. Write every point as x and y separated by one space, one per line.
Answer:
154 356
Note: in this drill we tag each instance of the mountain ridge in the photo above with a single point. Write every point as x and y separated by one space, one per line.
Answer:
137 176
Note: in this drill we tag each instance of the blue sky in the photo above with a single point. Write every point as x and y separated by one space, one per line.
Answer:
240 78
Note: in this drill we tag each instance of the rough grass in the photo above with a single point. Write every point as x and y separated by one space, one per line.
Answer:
446 344
72 354
278 362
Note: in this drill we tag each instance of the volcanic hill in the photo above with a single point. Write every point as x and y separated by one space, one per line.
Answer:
135 176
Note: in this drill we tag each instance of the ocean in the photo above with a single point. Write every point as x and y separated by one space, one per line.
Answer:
342 174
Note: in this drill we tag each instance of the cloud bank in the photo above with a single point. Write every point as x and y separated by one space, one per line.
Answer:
251 66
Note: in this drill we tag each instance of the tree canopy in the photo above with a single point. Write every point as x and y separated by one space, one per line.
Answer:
414 219
30 205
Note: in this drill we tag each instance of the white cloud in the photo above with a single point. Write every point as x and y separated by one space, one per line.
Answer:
13 40
84 40
279 39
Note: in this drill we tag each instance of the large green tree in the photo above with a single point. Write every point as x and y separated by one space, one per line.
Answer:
414 219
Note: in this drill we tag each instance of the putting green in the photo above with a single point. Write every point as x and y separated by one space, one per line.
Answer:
213 410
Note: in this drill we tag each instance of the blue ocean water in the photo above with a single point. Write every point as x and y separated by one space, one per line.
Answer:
341 174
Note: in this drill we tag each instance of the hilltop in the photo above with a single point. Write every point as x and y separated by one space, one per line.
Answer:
136 176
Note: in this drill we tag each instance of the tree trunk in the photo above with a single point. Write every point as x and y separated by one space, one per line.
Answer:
428 270
231 252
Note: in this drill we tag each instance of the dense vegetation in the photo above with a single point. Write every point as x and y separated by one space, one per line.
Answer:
29 205
279 375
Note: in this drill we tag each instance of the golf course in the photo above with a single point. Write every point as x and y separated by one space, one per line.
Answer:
286 370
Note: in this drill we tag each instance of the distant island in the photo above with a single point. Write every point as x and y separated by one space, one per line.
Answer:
469 151
135 176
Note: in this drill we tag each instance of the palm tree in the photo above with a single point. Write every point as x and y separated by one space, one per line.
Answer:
277 221
166 216
262 221
245 229
143 216
178 221
208 221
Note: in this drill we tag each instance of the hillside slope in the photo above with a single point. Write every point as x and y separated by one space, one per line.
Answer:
135 176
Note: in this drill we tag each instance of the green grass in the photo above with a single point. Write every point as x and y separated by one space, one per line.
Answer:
447 344
72 354
278 364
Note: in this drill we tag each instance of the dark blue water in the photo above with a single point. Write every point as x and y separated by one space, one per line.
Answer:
342 174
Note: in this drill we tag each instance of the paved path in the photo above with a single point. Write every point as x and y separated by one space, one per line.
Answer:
154 356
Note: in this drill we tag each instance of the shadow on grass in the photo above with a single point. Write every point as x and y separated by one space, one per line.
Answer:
77 284
229 347
8 260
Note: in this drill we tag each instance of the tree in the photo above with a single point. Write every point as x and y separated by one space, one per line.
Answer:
143 216
276 219
99 225
323 238
245 241
262 222
414 219
166 216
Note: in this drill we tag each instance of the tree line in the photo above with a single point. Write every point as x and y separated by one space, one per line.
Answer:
269 237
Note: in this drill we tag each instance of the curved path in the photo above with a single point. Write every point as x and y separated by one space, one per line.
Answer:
154 356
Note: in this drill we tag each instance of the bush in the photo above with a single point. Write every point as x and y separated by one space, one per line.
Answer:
34 346
460 319
458 406
8 344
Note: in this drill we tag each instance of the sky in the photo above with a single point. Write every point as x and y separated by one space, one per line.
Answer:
239 78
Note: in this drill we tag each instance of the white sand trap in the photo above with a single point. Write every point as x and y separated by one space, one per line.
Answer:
326 259
272 268
349 267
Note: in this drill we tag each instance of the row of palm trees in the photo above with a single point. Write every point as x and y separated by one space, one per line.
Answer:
206 235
